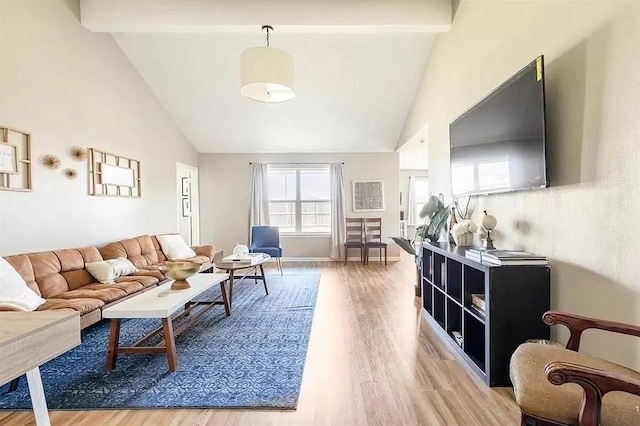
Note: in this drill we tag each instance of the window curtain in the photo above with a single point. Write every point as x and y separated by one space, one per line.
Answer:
259 206
338 221
411 202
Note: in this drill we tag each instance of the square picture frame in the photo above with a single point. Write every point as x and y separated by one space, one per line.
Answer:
8 159
186 207
368 196
186 187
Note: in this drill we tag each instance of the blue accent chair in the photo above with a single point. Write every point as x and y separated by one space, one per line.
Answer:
266 239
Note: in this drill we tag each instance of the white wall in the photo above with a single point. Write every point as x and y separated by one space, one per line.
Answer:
224 197
585 221
70 87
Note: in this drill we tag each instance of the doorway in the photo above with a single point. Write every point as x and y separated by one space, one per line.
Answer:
188 203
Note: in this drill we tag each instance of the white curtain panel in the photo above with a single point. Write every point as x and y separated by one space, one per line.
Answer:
411 201
259 207
338 221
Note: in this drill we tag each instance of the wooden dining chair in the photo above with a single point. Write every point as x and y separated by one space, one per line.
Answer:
373 238
354 238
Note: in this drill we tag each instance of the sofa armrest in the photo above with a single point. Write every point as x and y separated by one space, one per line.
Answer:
577 324
207 251
595 383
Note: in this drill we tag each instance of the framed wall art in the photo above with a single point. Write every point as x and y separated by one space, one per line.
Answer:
368 196
15 160
112 175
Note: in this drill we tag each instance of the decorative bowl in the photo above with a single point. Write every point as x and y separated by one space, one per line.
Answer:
180 271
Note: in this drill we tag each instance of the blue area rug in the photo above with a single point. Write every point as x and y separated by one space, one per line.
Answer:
255 358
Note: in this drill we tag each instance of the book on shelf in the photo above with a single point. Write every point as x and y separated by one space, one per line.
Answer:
505 257
477 300
480 313
458 337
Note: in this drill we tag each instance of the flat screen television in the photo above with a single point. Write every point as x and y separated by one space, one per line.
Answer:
498 145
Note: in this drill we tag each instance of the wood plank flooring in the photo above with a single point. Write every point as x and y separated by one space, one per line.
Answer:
371 361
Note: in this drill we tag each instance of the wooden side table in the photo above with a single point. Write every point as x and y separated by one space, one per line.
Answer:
28 340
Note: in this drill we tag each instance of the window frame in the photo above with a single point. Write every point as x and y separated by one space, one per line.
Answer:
298 202
416 201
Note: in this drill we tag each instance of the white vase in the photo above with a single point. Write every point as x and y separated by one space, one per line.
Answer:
464 240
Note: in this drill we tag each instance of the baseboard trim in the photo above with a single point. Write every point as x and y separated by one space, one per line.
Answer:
328 259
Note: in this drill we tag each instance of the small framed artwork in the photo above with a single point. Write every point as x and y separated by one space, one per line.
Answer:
368 196
8 159
186 207
186 186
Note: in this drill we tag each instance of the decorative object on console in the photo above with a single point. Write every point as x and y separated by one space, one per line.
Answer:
15 160
462 232
452 223
71 173
267 73
79 153
112 175
240 250
488 224
368 196
51 162
435 215
180 271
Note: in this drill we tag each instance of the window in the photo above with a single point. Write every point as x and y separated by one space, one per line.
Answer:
300 200
421 194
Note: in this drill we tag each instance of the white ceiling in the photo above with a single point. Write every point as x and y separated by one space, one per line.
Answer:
353 91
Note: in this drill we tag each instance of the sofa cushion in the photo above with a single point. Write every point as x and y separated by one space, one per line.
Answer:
46 269
139 250
72 263
129 287
144 281
82 305
538 397
14 292
174 247
22 265
105 292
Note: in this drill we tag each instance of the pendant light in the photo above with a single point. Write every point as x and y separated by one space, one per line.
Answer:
267 73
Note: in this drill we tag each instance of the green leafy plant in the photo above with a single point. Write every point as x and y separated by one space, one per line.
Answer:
434 215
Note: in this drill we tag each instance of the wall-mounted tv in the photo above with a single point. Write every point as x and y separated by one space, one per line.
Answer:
498 145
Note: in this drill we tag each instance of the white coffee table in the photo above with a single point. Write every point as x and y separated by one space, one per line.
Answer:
162 302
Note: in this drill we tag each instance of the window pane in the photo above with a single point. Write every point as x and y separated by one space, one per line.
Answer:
421 189
283 215
282 184
419 207
316 217
315 184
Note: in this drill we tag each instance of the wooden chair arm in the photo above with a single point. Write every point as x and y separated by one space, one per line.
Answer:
595 383
577 324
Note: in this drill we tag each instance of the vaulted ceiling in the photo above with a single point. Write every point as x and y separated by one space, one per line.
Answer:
355 77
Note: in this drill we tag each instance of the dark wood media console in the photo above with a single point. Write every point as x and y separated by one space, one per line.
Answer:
515 299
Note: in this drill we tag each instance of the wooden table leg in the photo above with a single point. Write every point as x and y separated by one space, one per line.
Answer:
38 400
170 343
112 349
231 279
264 280
225 299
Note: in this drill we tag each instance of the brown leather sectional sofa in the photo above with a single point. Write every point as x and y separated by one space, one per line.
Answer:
60 276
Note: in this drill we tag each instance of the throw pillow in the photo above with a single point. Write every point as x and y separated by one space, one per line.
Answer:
106 271
14 292
174 247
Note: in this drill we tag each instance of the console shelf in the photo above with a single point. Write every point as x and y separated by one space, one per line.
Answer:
515 299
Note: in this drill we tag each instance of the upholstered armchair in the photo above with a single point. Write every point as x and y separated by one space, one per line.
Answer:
557 385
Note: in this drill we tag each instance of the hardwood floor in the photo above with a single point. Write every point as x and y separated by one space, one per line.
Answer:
371 361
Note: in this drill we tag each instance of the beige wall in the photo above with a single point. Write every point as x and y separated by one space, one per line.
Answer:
71 87
584 221
224 197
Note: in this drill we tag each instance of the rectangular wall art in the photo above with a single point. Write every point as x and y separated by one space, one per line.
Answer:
368 196
112 175
15 160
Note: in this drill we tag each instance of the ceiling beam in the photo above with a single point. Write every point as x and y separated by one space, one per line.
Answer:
286 16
